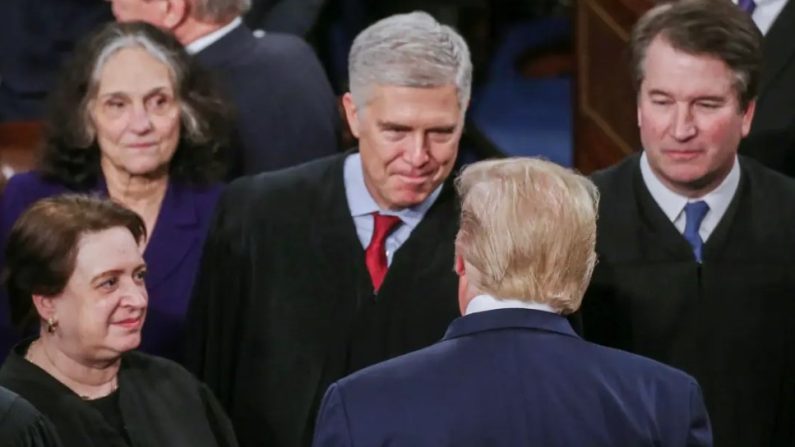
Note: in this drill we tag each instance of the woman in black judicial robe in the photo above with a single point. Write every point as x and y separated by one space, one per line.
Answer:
74 265
21 425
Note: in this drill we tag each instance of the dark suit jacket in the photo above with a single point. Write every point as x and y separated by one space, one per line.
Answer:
773 129
727 321
286 111
284 304
172 254
36 36
514 377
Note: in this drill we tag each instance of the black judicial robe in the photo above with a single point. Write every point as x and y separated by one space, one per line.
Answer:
161 404
21 425
283 303
730 321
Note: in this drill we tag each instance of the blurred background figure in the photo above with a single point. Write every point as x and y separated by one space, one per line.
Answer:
511 371
21 425
286 112
74 268
135 120
36 37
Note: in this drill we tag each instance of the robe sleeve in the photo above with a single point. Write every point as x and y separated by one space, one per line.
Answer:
21 425
218 303
219 422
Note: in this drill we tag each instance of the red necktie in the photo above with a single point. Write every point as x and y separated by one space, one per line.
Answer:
375 255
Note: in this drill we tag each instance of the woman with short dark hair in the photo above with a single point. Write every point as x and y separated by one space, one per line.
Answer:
74 268
135 119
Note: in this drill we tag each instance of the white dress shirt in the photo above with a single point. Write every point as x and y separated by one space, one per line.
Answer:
673 204
766 12
482 303
209 39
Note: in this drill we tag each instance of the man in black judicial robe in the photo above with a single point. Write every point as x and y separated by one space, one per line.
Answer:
715 298
289 297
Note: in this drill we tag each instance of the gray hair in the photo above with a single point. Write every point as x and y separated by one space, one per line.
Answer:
409 50
140 36
219 10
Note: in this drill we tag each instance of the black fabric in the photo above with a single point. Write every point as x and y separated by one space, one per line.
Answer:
160 403
21 425
773 128
284 305
108 407
286 111
727 321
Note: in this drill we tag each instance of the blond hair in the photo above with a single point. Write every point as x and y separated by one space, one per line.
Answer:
528 226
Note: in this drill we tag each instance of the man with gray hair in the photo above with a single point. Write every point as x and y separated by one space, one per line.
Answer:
314 272
512 371
286 111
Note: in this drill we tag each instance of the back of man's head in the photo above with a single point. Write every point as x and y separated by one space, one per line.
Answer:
528 228
409 50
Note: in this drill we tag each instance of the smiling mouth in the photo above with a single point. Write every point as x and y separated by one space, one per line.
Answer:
130 323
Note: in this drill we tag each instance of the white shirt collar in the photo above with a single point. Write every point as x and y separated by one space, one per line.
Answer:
482 303
209 39
673 204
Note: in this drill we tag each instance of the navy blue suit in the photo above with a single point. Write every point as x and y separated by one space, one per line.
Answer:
514 377
172 254
286 111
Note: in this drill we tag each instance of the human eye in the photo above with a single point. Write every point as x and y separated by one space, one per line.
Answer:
159 103
709 104
441 135
660 100
109 283
140 275
114 106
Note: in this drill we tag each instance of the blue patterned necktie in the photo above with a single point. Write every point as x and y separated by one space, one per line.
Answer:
747 6
694 214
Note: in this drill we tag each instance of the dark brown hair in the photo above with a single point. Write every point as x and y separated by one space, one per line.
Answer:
42 246
716 28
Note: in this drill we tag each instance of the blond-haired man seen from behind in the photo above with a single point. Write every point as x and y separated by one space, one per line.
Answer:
512 371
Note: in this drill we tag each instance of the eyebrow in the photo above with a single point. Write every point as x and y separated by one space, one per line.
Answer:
402 127
151 92
115 272
715 98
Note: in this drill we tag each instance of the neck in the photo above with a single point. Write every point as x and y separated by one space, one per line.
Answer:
142 194
88 379
191 29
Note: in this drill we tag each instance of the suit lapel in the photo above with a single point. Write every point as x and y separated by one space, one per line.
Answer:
175 232
779 47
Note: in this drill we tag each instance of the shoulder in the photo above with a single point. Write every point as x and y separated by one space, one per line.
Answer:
285 186
148 367
284 45
22 190
616 177
764 180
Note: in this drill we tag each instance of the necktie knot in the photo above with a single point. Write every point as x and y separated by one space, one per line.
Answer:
375 255
694 215
747 5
